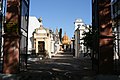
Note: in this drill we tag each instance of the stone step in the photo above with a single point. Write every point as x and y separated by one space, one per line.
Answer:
62 55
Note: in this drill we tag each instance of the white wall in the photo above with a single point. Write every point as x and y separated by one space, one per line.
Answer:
33 24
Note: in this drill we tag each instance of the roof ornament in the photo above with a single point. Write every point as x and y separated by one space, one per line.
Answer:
40 19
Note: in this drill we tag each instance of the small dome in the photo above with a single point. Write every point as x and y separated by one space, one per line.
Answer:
65 39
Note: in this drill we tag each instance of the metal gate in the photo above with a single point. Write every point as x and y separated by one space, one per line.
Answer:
116 32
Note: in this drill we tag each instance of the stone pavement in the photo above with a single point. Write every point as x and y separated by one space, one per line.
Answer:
59 68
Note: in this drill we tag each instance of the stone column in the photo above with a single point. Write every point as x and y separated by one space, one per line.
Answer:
11 53
11 38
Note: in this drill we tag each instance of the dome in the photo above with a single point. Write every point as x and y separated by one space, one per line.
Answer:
79 20
65 37
65 40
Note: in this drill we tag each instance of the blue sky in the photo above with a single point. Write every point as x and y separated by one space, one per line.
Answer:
61 13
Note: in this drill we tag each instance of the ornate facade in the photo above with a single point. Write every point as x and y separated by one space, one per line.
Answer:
43 41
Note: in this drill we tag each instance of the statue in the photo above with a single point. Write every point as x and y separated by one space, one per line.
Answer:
40 19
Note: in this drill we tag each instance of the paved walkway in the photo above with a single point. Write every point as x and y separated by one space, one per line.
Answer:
60 67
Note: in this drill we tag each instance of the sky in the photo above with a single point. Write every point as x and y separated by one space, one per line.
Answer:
61 13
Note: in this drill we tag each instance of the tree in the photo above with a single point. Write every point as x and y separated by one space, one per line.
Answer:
88 38
91 38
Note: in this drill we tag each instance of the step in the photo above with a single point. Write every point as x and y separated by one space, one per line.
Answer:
61 55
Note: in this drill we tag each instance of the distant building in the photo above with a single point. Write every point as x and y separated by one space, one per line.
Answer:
43 41
78 23
66 42
80 28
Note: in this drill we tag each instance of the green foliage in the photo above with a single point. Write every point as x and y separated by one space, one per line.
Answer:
88 38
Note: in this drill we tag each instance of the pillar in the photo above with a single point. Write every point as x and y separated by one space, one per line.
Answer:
11 38
102 57
105 37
